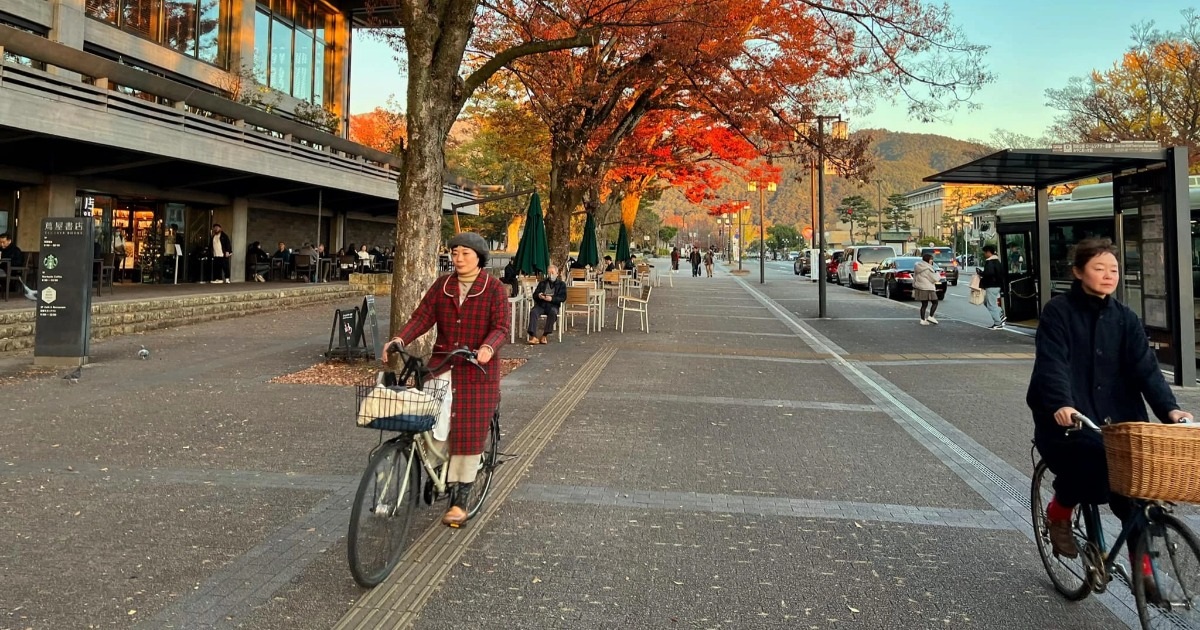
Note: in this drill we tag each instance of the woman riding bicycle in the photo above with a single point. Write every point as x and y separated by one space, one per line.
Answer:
1093 358
470 308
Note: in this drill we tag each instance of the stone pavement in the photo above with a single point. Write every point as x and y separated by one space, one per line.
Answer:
744 465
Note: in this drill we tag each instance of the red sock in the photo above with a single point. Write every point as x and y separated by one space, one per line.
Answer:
1057 511
1146 569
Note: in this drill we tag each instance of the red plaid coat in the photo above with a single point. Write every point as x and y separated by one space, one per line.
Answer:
481 320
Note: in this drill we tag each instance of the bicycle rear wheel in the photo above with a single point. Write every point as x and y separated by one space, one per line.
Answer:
1069 575
1173 600
487 466
379 519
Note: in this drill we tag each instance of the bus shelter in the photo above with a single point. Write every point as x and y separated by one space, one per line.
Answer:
1150 223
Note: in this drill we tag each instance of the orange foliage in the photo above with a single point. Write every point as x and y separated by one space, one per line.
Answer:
380 129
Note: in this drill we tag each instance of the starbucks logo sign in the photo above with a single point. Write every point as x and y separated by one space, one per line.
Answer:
50 262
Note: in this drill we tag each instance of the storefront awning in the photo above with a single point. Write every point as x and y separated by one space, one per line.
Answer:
1040 168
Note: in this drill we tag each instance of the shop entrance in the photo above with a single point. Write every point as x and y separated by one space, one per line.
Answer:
138 235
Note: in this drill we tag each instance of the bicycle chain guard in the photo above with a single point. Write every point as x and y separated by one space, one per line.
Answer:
1097 572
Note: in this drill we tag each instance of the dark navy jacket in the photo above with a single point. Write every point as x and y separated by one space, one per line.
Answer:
1093 355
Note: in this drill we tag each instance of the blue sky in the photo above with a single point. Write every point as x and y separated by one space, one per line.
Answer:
1034 45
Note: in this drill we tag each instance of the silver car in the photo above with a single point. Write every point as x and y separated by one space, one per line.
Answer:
857 261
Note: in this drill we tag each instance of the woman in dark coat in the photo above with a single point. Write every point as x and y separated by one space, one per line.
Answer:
1093 358
470 309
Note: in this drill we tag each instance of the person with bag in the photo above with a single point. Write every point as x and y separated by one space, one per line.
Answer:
469 308
708 262
990 278
1092 357
925 288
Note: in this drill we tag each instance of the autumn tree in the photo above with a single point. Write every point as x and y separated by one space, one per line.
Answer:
381 128
432 40
1151 93
509 146
856 209
759 68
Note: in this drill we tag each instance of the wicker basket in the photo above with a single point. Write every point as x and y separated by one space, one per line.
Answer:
1154 461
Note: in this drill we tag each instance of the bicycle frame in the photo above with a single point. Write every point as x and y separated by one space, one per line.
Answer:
1141 520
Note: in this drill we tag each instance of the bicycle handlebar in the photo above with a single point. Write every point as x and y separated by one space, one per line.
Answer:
1082 421
464 351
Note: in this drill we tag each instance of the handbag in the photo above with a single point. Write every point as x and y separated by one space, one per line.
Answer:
975 280
976 297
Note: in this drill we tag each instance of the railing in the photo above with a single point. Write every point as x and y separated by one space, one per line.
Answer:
194 111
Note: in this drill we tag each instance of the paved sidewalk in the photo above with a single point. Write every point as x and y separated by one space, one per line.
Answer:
744 465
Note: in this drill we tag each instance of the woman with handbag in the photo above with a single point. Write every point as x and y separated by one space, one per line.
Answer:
925 288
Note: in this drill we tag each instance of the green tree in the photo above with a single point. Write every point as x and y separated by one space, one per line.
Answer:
855 208
897 215
667 234
782 239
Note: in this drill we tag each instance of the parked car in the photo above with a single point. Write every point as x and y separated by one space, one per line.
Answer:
802 262
831 267
943 257
893 278
857 261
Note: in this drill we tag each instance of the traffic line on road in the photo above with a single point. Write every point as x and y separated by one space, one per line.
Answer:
1000 484
764 506
398 601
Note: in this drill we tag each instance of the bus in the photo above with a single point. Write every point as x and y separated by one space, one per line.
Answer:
1087 213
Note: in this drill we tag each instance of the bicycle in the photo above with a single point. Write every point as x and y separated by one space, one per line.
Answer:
1166 543
407 403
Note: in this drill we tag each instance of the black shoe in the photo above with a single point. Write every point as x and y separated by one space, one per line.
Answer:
463 495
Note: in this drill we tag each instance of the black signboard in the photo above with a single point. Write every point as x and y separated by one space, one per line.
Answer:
347 320
64 304
369 316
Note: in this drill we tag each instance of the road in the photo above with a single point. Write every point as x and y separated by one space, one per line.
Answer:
955 306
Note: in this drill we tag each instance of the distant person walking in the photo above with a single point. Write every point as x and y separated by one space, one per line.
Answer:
925 288
991 278
708 262
694 258
675 259
222 250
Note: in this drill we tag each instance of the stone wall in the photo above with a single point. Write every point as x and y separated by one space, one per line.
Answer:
369 233
268 227
125 317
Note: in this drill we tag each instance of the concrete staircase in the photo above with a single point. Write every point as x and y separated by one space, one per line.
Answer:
123 317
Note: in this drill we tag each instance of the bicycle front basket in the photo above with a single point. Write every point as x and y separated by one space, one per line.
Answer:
1147 460
399 408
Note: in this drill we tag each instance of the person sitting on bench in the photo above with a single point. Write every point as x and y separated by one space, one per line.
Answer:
547 298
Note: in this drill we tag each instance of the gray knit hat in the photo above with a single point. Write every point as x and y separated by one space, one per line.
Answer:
473 241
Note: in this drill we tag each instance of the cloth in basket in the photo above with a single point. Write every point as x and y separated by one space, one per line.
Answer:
398 409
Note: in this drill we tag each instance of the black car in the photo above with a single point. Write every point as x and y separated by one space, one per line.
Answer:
893 278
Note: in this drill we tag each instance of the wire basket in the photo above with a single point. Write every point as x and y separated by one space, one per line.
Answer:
398 407
1153 461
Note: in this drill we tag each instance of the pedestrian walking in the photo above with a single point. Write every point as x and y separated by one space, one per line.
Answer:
694 258
708 262
991 278
222 251
925 288
675 259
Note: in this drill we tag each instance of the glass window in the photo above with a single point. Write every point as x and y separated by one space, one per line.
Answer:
141 17
211 48
180 32
104 10
302 85
262 43
318 96
281 56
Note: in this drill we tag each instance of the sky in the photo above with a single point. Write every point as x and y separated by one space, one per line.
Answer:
1034 45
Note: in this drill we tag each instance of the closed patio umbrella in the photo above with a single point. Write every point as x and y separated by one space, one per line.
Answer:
533 252
589 254
623 245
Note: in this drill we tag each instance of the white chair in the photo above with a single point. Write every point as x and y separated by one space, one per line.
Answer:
639 305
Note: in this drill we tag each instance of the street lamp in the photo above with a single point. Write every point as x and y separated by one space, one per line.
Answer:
839 130
762 188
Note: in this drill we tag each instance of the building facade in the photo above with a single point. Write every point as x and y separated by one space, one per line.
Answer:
938 209
158 118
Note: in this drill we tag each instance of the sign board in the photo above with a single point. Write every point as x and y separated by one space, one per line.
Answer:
1132 146
370 317
346 323
64 303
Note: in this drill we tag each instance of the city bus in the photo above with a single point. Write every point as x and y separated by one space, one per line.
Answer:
1087 213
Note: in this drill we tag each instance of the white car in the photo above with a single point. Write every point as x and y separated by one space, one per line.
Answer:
858 261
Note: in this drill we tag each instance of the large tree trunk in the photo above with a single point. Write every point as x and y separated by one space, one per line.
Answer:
434 100
568 186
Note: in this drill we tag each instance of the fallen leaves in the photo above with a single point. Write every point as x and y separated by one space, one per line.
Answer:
344 373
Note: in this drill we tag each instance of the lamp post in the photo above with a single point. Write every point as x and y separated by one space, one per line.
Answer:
839 130
762 188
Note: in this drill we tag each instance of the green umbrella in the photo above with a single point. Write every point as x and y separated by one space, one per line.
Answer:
622 245
589 254
533 252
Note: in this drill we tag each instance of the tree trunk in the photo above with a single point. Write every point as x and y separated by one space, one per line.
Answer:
629 209
568 187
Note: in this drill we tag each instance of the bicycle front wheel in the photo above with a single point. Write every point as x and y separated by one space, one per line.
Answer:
379 519
1069 575
487 466
1166 575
